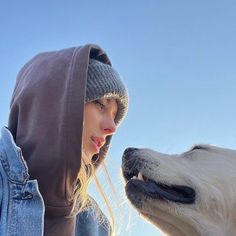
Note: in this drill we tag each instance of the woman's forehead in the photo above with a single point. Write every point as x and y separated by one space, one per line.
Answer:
109 100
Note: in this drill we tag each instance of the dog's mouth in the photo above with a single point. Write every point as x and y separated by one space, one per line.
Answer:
174 193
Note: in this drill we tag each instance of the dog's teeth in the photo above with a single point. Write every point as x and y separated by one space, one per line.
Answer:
140 176
134 177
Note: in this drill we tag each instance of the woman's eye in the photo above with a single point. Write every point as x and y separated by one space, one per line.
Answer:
100 105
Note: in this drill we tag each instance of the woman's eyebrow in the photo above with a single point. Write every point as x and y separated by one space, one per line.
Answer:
104 100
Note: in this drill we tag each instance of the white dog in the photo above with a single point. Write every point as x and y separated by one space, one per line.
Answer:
190 194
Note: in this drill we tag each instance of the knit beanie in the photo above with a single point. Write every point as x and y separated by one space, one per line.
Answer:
104 82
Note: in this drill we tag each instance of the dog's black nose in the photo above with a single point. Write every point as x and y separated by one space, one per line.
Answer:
130 163
128 152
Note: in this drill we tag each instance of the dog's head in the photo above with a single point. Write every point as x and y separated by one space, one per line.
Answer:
193 193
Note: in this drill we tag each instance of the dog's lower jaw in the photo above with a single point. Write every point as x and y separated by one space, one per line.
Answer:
161 220
180 229
170 229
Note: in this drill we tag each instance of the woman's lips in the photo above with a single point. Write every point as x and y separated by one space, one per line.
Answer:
98 142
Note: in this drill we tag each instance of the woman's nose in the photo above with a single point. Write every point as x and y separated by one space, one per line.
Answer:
109 126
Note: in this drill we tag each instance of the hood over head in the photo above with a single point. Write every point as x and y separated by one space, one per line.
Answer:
46 121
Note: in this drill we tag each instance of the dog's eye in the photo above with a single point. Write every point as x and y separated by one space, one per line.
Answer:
198 147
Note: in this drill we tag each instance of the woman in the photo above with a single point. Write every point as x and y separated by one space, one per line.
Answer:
65 107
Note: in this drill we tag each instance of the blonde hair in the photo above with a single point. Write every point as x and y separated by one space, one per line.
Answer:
85 175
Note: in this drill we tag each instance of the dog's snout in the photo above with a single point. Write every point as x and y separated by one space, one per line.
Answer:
130 163
128 152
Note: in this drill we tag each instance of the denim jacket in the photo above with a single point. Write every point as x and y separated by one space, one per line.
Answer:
21 204
92 222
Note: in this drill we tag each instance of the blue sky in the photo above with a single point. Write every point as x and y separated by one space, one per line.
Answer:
177 59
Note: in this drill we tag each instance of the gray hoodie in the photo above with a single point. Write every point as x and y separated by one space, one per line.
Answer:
46 121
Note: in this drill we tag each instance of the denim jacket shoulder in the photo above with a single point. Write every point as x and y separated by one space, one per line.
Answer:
22 208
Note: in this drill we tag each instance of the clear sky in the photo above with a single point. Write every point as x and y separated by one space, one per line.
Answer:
177 59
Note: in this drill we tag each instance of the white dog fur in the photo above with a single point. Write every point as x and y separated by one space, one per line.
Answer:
210 171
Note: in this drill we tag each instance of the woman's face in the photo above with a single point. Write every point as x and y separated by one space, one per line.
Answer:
99 122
